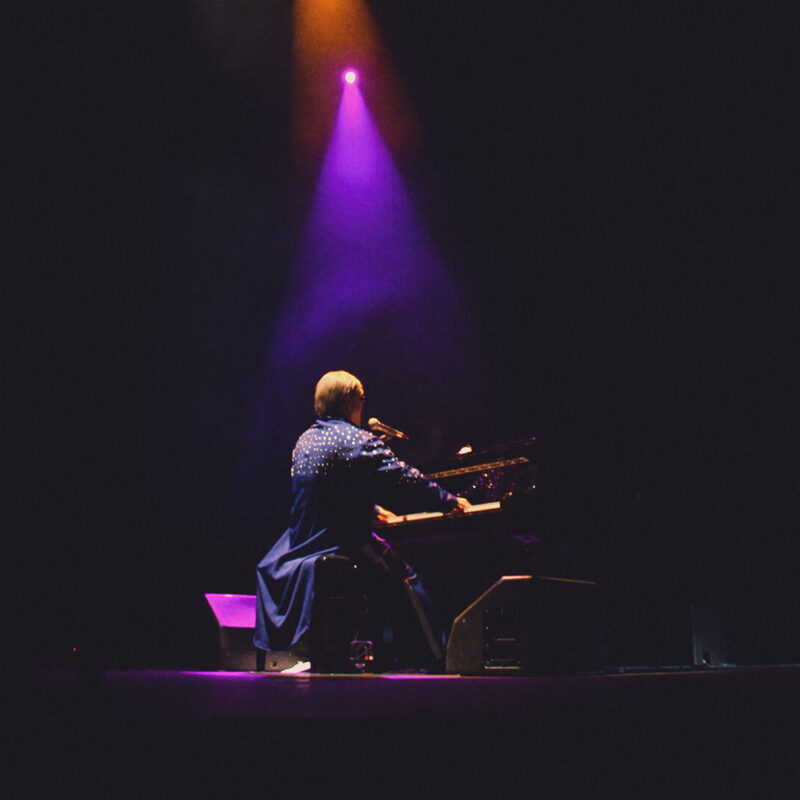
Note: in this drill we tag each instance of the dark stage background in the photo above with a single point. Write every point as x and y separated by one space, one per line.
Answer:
612 191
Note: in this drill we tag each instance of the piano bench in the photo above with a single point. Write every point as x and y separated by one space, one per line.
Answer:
339 610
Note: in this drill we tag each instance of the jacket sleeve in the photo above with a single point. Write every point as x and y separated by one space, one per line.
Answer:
399 486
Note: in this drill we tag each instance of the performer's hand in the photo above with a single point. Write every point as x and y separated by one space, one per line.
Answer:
382 514
463 505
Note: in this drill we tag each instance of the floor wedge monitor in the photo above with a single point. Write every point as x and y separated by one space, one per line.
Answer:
525 624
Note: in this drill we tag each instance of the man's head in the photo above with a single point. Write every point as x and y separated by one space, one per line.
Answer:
339 394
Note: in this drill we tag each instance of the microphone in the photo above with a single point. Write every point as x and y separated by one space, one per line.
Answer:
374 424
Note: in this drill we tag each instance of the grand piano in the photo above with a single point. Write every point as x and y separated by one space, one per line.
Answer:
499 574
458 556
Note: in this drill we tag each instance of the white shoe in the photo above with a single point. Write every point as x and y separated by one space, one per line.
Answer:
300 666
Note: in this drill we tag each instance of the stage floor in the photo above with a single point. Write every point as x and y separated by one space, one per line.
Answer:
676 733
212 694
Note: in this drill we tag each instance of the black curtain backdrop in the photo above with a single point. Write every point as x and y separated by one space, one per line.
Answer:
612 190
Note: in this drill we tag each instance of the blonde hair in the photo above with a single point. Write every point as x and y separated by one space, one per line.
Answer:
335 393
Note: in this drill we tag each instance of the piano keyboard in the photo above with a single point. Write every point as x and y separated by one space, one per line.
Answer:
422 516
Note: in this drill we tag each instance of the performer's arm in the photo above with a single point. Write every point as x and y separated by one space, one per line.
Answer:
394 481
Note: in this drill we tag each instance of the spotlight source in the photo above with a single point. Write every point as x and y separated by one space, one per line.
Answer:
350 76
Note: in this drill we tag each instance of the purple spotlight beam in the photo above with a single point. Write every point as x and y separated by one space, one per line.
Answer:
367 279
365 252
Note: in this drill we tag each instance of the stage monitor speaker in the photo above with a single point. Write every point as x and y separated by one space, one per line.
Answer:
236 618
527 625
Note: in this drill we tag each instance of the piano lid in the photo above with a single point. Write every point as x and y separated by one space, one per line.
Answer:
501 456
492 474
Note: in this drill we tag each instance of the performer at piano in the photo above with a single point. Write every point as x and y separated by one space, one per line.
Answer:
343 479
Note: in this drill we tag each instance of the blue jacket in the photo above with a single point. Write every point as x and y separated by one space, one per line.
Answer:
339 473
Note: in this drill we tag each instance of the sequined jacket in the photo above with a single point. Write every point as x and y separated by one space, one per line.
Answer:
339 473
